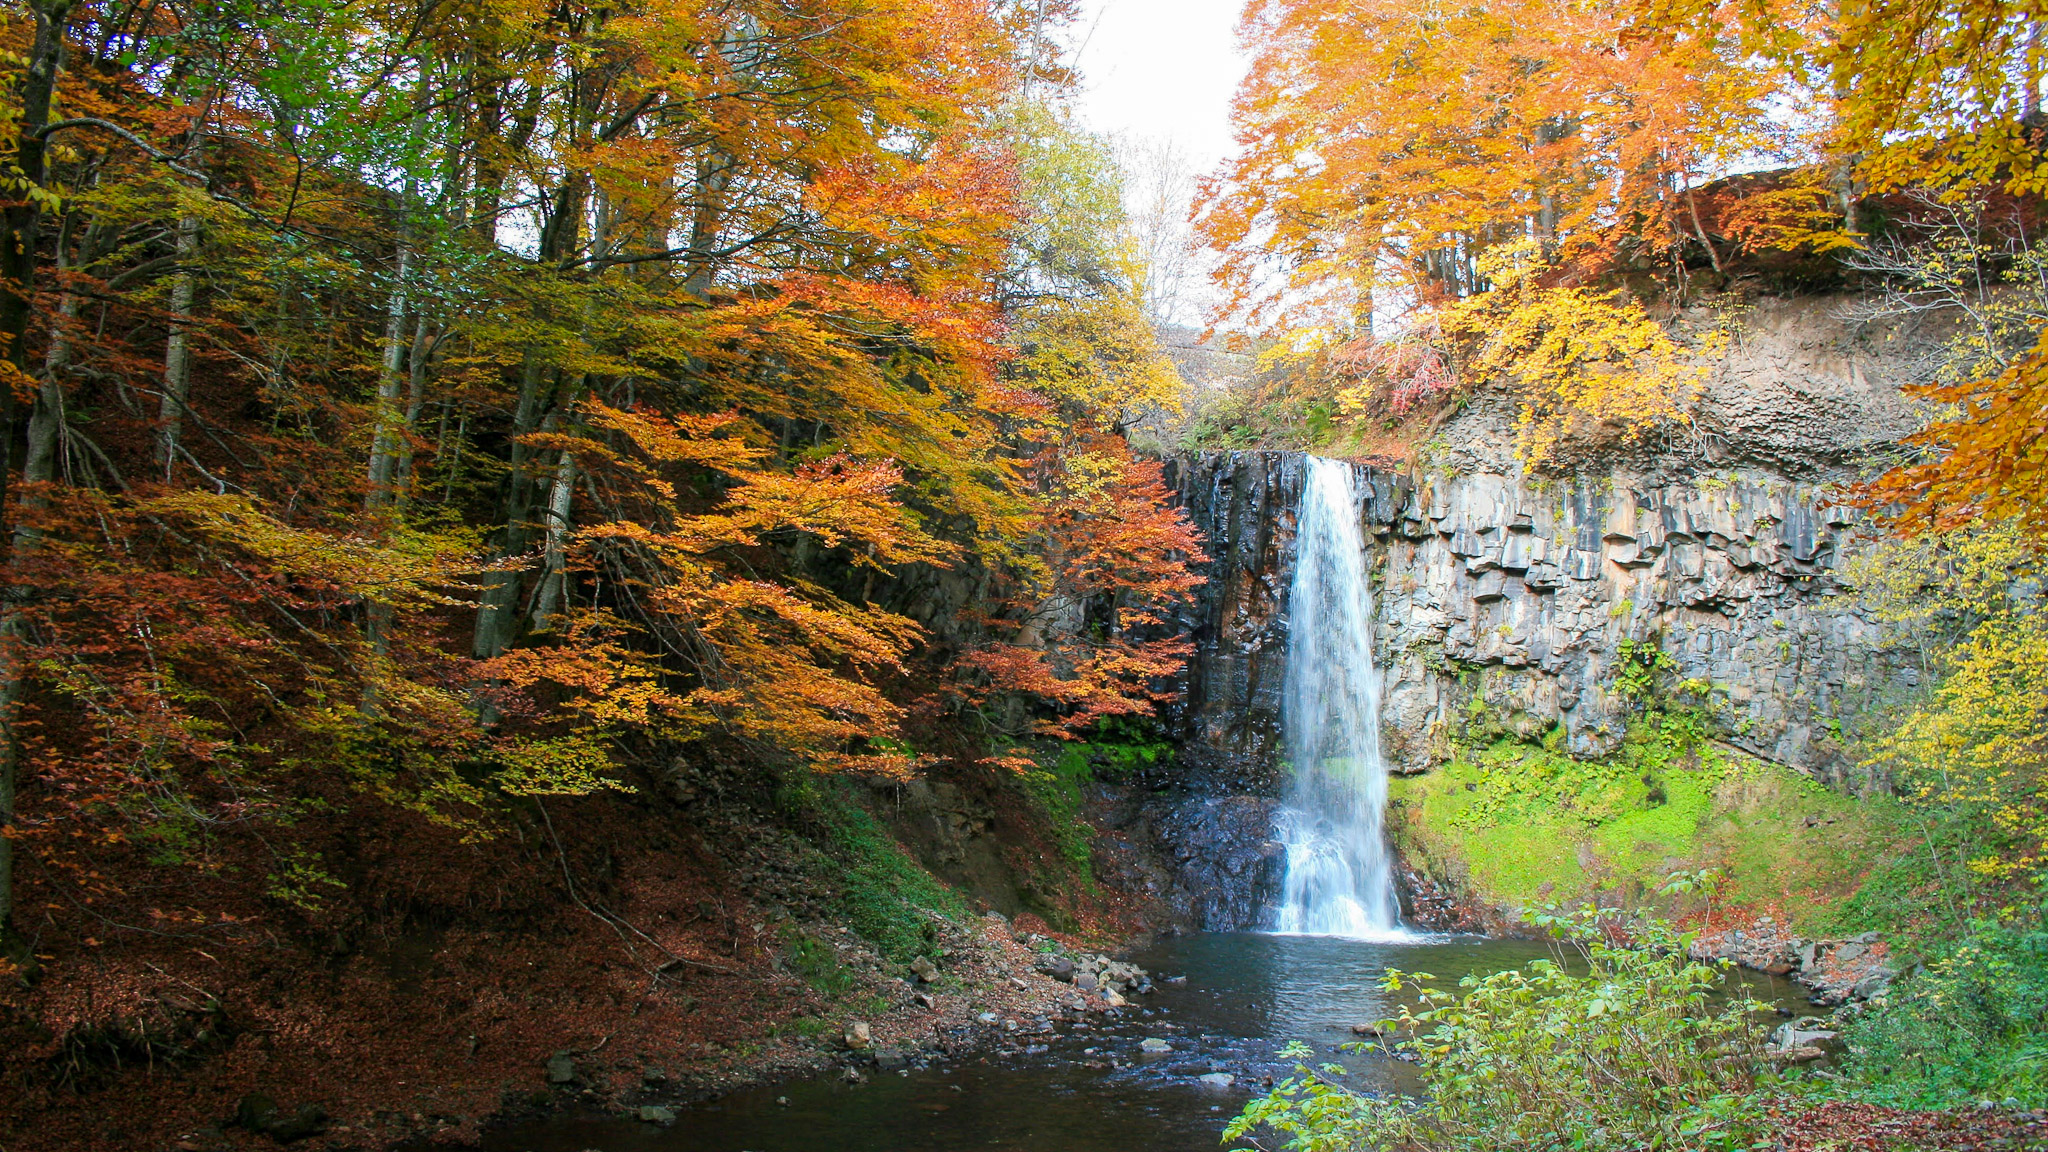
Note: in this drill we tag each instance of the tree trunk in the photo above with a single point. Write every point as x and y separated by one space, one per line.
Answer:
20 229
496 619
554 563
384 445
177 350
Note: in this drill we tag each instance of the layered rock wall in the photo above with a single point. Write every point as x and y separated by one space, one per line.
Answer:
1505 600
1505 603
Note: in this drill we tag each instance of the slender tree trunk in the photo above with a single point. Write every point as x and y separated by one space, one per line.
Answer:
496 617
20 230
46 419
554 558
384 445
178 349
415 402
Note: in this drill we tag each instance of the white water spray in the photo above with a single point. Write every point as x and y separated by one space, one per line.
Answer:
1340 881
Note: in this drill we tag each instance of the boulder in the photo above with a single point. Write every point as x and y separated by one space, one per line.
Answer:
925 971
1056 966
1154 1044
858 1036
1218 1079
561 1068
656 1114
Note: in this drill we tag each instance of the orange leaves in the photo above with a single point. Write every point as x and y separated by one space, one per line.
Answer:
1090 621
841 501
1986 461
1116 679
1376 135
769 658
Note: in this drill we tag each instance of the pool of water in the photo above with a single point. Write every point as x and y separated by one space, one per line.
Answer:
1086 1088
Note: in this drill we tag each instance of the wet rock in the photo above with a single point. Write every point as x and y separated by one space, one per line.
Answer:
858 1037
891 1059
1154 1044
561 1068
656 1114
1218 1079
925 971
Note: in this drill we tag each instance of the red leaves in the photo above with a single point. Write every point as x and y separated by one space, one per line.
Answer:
1847 1126
1115 553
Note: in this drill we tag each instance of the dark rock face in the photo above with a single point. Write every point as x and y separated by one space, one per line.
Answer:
1227 719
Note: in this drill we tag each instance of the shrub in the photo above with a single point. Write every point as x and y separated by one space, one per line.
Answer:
1631 1046
1973 1025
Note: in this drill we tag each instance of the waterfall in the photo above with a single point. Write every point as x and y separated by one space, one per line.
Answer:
1339 879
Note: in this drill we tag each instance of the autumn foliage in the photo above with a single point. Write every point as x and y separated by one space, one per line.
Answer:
417 411
1089 618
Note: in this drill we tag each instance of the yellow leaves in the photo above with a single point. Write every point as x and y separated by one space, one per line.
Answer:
1098 360
401 564
1978 747
554 766
1589 367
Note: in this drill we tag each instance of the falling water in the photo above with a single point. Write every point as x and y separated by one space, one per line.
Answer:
1339 879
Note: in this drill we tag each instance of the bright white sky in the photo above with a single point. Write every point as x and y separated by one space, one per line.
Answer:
1162 70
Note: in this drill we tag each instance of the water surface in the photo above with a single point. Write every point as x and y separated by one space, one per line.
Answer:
1245 997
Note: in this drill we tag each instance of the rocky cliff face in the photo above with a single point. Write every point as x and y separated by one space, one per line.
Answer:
1504 601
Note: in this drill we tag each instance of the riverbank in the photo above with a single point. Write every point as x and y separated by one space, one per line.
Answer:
614 950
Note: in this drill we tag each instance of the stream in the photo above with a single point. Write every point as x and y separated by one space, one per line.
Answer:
1246 995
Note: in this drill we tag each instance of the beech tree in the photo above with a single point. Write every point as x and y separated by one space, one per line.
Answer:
427 404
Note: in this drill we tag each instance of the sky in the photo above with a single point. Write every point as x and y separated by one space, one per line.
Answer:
1161 69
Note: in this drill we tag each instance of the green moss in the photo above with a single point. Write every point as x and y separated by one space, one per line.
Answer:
1523 824
817 963
1058 790
878 889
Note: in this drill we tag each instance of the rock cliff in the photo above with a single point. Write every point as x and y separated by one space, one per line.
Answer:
1504 601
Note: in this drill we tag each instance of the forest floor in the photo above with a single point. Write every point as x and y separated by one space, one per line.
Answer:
457 987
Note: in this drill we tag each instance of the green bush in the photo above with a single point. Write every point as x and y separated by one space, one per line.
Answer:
1631 1047
1972 1026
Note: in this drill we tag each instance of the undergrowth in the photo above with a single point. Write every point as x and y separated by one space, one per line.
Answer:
1971 1026
1630 1046
1058 787
816 963
878 889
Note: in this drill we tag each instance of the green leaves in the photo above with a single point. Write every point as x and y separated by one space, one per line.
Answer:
1612 1046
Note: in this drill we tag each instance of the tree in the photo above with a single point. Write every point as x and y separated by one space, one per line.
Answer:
1384 147
421 389
1088 619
